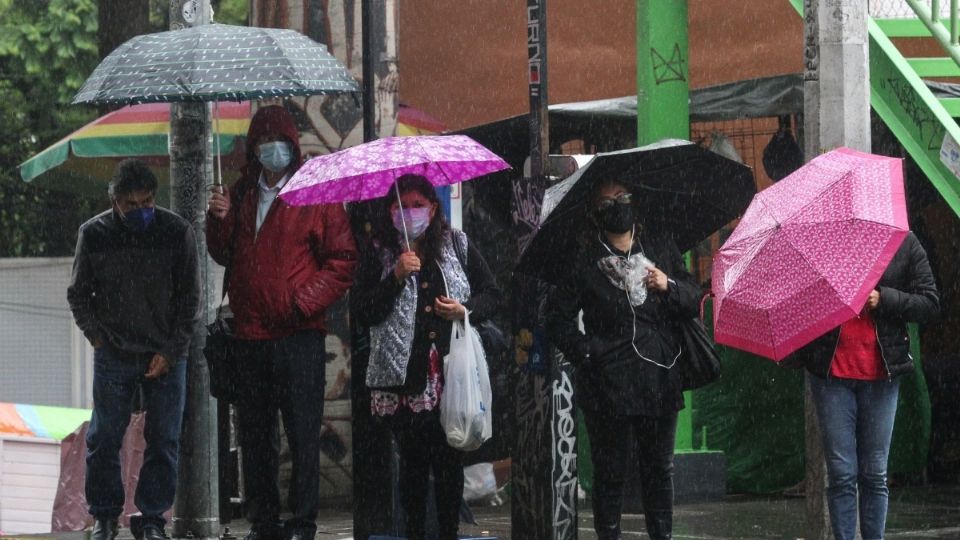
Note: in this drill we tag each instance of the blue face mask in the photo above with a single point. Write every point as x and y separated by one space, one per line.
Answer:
276 156
138 220
417 220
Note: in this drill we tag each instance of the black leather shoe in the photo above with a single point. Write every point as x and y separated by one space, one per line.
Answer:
151 532
104 529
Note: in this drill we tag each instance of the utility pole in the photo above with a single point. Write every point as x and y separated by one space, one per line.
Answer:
544 472
196 509
375 463
836 113
663 89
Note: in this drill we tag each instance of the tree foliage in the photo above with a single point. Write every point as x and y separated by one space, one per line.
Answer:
47 49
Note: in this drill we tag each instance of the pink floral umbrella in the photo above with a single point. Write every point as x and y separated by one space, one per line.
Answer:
367 171
808 252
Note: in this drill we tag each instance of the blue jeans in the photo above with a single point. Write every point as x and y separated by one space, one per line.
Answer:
116 375
856 422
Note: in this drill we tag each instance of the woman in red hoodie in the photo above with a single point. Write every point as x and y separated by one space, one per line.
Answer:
285 265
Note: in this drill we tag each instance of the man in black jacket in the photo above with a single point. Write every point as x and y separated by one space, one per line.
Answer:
135 294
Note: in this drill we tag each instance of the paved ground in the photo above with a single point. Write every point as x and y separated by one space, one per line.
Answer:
915 513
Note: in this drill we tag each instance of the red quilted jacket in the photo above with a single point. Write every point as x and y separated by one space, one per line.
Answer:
283 279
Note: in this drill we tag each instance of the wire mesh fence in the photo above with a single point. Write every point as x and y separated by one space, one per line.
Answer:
899 9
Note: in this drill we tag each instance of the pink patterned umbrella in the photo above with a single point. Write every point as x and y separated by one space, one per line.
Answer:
808 252
368 170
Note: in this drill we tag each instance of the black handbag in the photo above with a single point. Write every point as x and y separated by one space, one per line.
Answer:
699 360
222 352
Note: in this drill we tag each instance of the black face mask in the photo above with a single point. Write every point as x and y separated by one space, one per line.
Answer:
616 218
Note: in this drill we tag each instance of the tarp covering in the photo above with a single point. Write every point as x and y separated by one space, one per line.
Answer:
70 512
769 96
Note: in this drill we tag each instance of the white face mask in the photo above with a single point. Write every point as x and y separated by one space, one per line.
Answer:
276 156
416 219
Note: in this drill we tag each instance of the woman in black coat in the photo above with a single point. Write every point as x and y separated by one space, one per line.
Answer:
855 385
409 298
633 289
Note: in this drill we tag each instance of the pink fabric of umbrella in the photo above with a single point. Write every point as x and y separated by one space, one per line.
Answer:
368 170
808 252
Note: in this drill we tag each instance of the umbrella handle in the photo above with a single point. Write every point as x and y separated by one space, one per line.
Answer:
403 220
218 180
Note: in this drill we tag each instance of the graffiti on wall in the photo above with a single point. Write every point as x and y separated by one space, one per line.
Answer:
564 427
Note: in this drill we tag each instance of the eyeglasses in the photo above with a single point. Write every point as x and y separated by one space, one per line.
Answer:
607 202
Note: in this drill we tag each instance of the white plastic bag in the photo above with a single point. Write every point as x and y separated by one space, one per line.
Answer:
465 407
479 483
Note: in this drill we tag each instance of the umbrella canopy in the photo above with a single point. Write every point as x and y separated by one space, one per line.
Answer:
412 121
679 188
367 171
92 152
808 252
216 62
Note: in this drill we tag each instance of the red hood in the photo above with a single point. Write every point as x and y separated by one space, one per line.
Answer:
272 119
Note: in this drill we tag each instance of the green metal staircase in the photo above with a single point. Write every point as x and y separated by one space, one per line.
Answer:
918 119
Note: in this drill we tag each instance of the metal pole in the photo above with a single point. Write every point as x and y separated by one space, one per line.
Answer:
196 509
544 479
368 47
376 509
663 91
836 113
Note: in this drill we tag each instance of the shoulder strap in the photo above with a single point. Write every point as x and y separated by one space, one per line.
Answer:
242 189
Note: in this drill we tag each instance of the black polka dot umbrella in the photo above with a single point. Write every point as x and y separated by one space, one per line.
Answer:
215 62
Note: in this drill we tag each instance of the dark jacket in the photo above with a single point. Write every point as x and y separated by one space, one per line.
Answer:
283 278
908 293
372 299
614 378
138 292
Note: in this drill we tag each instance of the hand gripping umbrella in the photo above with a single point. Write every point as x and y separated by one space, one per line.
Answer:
808 251
368 170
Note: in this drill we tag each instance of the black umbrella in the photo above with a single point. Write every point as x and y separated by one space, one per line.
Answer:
679 189
215 62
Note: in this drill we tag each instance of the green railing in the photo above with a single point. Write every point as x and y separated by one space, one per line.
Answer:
947 34
918 119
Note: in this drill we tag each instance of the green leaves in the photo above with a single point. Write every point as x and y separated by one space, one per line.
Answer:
46 41
47 49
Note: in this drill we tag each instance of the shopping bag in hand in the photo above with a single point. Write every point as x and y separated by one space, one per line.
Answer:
465 406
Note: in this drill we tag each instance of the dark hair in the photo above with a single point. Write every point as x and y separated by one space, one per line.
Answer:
433 238
132 175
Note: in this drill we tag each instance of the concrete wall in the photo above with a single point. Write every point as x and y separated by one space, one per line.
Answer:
44 359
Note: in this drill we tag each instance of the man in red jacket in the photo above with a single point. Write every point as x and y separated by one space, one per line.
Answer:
286 266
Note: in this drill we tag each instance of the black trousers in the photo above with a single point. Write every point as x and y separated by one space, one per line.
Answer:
612 438
424 449
287 375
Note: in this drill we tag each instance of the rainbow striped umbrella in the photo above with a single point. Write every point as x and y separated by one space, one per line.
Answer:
20 420
84 160
412 121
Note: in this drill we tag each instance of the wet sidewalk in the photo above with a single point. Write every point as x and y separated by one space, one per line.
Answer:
915 513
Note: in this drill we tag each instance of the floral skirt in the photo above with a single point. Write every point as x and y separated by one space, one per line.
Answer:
387 403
